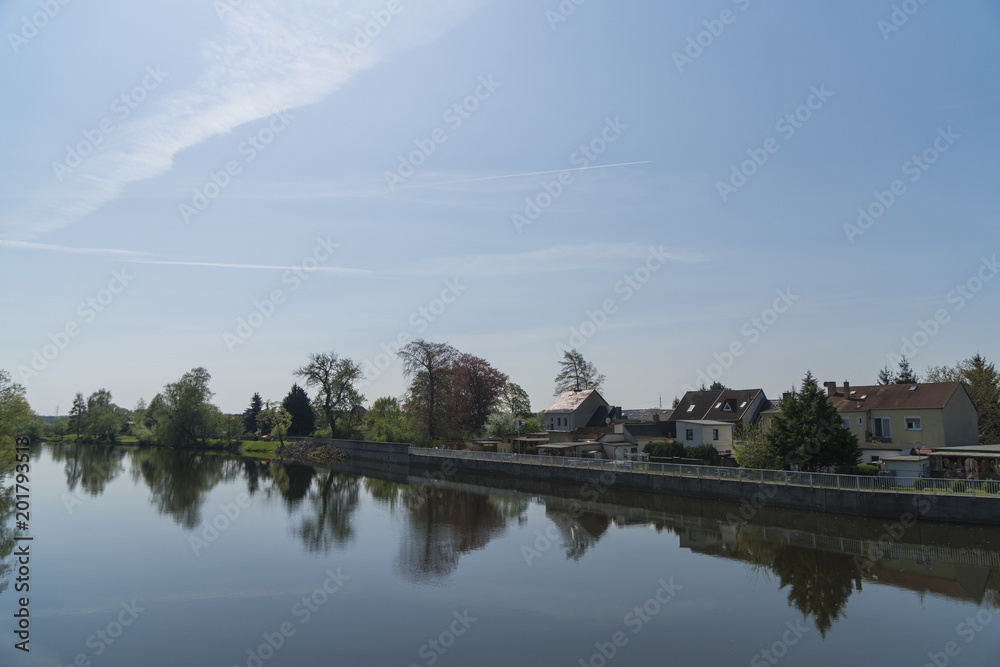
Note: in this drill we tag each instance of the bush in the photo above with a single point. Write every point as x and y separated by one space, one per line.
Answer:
958 487
704 452
992 486
868 470
920 484
667 450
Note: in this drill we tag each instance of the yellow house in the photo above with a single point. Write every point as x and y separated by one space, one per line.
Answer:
890 420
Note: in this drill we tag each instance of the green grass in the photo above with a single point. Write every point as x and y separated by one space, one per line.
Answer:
261 449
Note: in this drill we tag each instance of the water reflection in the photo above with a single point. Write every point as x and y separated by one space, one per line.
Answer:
817 560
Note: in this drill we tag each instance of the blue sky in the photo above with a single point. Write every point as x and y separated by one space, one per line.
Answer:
179 164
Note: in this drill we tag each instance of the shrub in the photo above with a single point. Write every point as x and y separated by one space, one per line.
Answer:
991 486
920 484
958 486
868 470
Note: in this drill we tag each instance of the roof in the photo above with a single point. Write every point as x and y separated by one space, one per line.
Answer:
646 414
728 405
705 422
647 430
568 401
905 459
928 395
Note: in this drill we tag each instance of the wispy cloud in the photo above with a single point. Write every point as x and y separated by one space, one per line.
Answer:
274 55
48 247
566 257
256 267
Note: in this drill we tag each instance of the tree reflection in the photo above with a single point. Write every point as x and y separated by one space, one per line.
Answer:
443 524
580 531
819 582
327 518
91 467
6 533
179 480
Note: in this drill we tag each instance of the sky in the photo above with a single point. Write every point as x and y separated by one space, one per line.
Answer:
735 190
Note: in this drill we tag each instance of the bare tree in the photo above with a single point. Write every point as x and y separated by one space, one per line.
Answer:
428 366
335 376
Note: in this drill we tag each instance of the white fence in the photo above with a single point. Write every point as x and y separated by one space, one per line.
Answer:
787 478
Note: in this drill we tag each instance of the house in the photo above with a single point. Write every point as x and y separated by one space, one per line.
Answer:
589 449
739 407
695 432
890 420
647 415
574 411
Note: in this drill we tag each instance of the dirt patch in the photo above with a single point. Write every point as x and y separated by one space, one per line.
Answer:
311 453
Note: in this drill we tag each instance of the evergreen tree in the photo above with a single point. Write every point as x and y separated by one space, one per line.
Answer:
983 383
577 374
78 415
299 406
252 414
718 386
885 376
810 433
906 374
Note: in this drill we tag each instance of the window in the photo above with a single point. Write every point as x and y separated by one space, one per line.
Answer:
689 434
691 408
847 423
860 422
880 427
913 424
715 434
743 405
875 458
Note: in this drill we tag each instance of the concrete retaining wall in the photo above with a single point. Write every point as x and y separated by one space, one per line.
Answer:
891 505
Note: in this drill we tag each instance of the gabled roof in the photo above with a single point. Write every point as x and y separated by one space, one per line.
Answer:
568 401
647 430
646 414
929 395
729 405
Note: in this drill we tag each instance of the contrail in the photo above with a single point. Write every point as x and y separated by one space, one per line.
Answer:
530 173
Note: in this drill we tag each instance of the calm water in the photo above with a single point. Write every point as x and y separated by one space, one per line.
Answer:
341 568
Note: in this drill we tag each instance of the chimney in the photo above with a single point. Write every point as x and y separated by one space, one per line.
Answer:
656 416
847 390
831 388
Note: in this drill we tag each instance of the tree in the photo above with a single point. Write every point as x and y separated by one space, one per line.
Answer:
515 400
577 374
252 414
475 390
78 415
904 375
675 403
810 433
299 406
277 419
186 418
14 410
753 450
385 421
428 366
104 418
982 381
718 386
335 377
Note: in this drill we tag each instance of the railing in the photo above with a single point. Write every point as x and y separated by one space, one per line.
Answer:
817 480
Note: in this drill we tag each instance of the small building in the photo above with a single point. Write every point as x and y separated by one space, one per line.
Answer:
907 468
695 432
580 415
975 462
